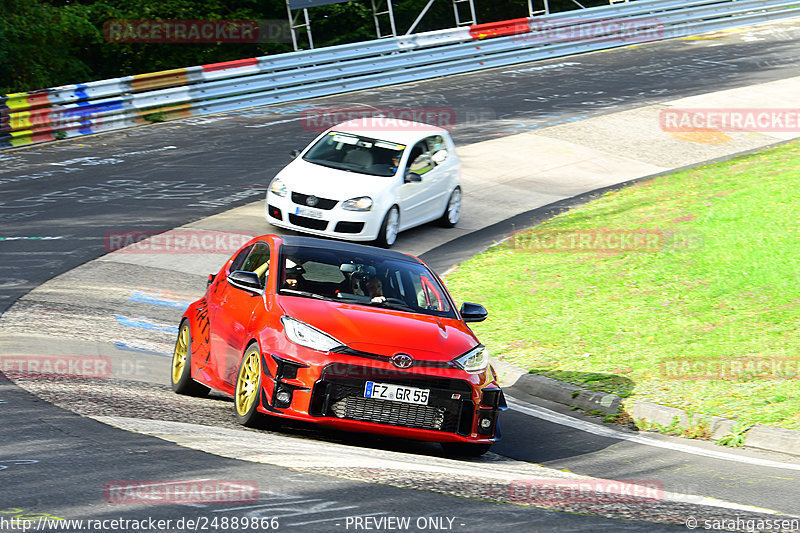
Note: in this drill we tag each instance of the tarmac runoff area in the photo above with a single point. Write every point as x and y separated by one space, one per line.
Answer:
123 309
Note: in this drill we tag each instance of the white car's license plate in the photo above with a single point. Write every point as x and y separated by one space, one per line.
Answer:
396 393
306 212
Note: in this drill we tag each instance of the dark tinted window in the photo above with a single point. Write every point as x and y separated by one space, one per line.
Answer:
362 279
258 261
240 257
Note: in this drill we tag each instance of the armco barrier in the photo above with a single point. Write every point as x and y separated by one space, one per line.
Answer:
98 106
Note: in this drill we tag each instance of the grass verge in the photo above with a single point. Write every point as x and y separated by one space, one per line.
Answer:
682 290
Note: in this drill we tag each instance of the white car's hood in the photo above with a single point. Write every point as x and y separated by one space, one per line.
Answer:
323 182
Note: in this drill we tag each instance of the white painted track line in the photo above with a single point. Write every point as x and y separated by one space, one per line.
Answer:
602 431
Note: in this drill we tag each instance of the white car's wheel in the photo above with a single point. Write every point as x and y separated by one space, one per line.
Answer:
389 228
452 213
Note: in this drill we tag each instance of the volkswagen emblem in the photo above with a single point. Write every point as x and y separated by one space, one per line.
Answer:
312 200
402 360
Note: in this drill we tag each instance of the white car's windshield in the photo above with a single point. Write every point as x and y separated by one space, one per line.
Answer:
354 153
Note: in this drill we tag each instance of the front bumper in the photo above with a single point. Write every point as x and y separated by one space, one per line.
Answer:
334 221
462 407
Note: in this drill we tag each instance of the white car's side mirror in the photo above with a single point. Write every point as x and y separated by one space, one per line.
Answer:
439 157
412 177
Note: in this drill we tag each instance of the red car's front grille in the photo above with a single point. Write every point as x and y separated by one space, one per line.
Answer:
392 413
339 394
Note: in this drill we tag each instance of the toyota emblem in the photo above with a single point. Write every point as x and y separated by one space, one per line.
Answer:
402 360
312 200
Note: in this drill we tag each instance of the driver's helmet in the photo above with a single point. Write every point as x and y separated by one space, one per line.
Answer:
359 277
294 273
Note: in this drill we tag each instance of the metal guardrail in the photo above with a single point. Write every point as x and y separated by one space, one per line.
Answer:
93 107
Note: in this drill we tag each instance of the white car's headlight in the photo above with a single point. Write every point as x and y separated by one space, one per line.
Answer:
363 203
277 187
475 360
304 335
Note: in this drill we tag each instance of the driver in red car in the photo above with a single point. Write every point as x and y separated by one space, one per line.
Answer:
374 289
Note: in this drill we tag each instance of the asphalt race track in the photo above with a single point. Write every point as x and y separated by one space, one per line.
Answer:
59 201
161 176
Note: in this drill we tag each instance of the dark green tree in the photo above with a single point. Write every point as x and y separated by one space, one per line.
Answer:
42 44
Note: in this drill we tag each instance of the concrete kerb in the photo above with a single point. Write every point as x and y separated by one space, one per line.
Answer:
767 438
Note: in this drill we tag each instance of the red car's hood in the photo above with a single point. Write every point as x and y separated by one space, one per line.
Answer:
383 331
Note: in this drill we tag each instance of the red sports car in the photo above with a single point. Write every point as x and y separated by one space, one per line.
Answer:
340 334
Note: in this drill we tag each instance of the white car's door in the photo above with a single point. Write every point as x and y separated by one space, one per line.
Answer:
426 200
442 177
414 196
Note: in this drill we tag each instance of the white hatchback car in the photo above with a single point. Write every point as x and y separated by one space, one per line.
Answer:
368 179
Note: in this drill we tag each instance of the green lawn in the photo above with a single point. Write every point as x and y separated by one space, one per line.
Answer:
699 312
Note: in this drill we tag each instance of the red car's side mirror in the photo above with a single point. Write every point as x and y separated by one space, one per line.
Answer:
247 281
473 312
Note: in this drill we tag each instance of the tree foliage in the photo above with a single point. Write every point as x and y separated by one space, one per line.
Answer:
41 44
46 43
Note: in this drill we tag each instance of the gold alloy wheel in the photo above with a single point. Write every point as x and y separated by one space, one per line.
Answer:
247 384
181 351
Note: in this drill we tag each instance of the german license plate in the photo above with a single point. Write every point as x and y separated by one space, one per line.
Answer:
306 212
396 393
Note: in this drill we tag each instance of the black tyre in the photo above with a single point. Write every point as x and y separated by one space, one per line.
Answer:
452 212
247 395
389 228
181 378
465 449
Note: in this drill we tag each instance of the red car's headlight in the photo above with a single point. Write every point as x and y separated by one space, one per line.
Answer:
475 360
305 335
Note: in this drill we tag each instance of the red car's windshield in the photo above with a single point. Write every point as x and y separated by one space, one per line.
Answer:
362 279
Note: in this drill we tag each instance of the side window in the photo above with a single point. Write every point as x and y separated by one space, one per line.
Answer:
436 144
420 158
428 296
239 260
258 261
